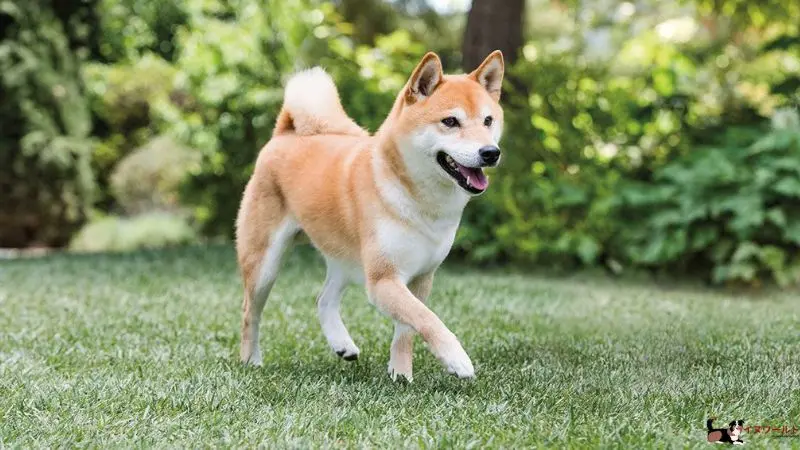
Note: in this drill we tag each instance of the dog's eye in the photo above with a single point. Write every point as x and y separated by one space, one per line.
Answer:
450 122
487 122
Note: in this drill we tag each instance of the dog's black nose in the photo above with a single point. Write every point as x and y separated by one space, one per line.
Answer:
489 154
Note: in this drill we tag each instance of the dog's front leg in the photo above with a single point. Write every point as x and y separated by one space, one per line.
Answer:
393 298
402 350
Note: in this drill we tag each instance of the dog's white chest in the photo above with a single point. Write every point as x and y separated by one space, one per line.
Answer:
415 250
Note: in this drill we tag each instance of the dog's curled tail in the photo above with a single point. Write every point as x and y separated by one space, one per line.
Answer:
709 424
311 106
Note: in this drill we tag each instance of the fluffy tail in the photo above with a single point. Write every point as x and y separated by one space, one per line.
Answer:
709 425
311 106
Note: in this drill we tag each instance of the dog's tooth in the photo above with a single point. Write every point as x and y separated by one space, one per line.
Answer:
468 181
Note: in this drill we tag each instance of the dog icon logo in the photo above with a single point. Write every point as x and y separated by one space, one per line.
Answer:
730 435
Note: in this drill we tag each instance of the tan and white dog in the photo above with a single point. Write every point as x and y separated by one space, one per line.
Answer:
383 209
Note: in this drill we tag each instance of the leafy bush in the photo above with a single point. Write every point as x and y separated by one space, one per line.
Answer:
572 133
122 97
580 138
150 177
731 212
132 28
45 144
122 94
146 231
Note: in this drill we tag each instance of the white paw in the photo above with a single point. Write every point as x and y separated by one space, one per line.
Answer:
346 349
254 359
457 362
399 375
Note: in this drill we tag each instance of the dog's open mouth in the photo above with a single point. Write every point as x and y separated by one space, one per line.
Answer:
471 179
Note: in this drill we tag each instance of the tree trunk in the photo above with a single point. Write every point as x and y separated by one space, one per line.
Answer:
492 25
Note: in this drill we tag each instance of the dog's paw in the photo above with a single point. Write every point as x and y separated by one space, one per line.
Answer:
457 362
399 375
348 351
462 368
252 358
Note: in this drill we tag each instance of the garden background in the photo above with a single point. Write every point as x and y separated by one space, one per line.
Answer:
640 135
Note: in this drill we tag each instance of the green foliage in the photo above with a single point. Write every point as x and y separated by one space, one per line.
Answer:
145 231
150 177
123 97
133 28
585 142
230 64
572 133
732 212
45 144
655 154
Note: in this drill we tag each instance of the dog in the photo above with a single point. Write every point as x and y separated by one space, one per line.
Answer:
728 435
383 209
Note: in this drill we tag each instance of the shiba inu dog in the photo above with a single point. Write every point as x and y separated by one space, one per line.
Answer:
383 209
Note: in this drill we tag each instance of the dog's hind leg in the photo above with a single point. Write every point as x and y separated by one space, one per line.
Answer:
258 289
330 316
264 231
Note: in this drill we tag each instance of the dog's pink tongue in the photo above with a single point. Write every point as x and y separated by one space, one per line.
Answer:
475 177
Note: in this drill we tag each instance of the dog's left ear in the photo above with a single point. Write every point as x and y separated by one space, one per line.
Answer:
490 74
425 79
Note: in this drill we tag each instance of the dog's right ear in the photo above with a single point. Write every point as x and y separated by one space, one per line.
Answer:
425 79
490 74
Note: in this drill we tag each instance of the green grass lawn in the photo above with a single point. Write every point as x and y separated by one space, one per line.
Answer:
140 350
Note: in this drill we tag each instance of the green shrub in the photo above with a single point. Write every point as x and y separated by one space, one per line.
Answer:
730 212
132 28
122 94
46 181
122 97
146 231
149 178
572 133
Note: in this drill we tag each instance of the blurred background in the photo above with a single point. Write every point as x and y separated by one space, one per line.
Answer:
651 134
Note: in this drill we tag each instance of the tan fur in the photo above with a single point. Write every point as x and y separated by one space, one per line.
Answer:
322 174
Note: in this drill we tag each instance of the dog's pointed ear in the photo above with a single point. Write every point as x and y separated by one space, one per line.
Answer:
490 74
425 78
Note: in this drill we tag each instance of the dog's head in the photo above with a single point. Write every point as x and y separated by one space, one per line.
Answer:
735 428
452 123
